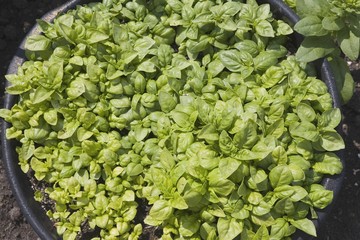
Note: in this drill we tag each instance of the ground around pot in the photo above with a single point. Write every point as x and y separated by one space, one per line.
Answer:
16 19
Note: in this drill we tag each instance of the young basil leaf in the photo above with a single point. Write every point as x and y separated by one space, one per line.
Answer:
305 112
37 43
280 175
161 210
319 196
189 225
331 141
264 29
304 225
305 130
209 133
235 60
262 233
329 163
229 228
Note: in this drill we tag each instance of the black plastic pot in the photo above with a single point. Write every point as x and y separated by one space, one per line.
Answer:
21 185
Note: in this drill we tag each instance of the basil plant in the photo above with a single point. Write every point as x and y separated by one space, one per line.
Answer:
186 119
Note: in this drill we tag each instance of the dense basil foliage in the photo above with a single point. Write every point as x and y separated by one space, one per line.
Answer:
195 107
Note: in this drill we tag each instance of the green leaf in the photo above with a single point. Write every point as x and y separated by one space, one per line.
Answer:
247 46
276 129
228 166
37 43
309 7
283 28
147 66
225 143
208 231
264 29
313 48
331 141
69 129
258 180
184 142
167 160
310 26
329 164
330 119
333 23
209 133
178 202
189 225
234 60
55 76
102 221
305 112
142 45
95 36
41 94
279 155
298 194
305 130
343 78
167 101
51 117
134 169
38 166
265 60
297 173
164 54
279 229
161 210
261 234
263 11
280 175
349 43
272 76
229 228
66 31
219 184
120 33
231 8
304 225
319 196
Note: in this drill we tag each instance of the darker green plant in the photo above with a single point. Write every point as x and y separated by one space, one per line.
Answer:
332 30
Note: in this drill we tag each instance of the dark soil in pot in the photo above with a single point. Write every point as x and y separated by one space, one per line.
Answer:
16 18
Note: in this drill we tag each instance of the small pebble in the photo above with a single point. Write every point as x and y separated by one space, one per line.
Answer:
356 144
355 171
345 129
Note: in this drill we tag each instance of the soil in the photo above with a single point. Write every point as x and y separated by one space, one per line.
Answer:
16 19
